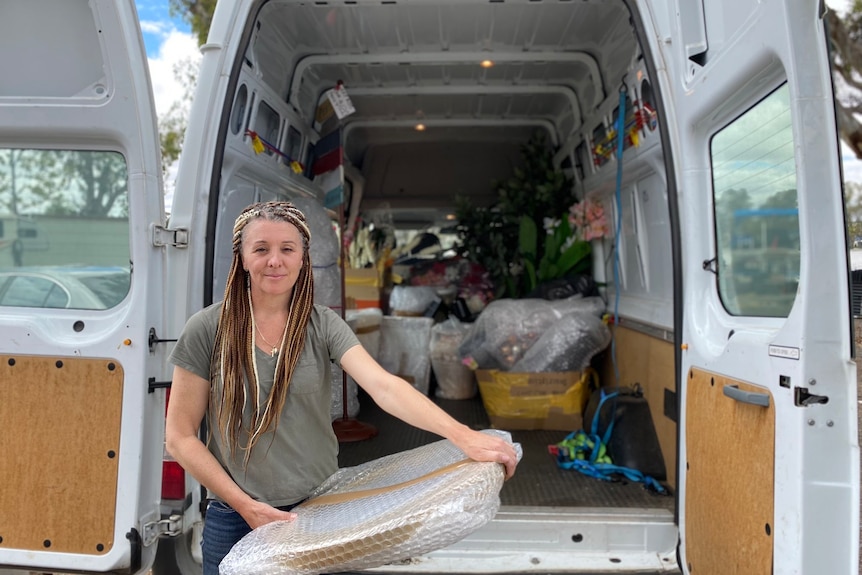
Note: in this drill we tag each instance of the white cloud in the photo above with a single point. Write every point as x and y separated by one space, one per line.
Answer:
840 6
851 164
175 48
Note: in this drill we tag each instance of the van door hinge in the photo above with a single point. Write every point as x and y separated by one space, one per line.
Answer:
162 236
171 527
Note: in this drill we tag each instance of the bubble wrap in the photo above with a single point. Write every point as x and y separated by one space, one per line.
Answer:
404 349
327 286
568 345
387 510
336 406
324 247
454 379
507 328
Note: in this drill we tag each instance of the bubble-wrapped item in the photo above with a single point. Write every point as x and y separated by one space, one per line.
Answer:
365 323
404 349
336 408
454 379
568 345
507 328
387 510
327 286
324 246
411 300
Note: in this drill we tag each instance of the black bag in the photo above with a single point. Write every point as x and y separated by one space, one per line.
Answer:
633 441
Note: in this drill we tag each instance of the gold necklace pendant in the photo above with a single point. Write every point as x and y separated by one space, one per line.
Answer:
274 349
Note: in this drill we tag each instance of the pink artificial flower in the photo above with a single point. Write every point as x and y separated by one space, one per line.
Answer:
589 220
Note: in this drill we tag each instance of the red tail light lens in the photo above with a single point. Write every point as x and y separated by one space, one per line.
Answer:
173 480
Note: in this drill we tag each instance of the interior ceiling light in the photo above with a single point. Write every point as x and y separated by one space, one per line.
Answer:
420 127
486 63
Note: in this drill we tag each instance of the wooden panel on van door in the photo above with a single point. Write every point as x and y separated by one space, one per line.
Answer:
59 453
730 469
649 361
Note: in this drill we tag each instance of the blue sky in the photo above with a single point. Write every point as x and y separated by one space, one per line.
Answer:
169 43
156 21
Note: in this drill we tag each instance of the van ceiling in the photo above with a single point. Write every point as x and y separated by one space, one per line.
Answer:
411 61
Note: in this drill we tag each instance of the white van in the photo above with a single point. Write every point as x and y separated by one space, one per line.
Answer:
741 341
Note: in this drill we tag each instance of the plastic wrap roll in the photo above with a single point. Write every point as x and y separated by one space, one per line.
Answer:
389 509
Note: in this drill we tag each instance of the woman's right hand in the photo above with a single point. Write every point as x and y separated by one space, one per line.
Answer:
257 514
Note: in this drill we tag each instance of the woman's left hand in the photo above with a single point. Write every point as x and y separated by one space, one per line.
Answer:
485 447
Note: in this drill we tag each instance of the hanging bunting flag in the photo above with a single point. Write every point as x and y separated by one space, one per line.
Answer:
258 144
327 153
324 111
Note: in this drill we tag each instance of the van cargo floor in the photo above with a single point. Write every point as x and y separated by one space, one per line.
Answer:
538 480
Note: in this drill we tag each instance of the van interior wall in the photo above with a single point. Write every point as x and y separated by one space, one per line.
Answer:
433 173
646 360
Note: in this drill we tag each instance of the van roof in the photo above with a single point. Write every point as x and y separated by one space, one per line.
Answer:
410 62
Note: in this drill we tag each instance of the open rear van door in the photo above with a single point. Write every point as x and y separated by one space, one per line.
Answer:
769 466
81 290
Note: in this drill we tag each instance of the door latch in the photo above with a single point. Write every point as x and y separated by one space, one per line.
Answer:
802 398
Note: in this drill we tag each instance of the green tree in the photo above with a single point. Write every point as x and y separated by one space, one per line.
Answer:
853 206
172 125
198 13
846 38
63 182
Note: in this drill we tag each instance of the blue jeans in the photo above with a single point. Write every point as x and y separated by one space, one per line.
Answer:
223 528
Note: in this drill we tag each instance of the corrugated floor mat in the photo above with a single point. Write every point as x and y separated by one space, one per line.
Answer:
538 480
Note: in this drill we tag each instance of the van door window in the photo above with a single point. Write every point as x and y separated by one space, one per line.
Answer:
756 210
64 238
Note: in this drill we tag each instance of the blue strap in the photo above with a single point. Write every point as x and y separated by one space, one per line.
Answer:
584 458
621 123
595 425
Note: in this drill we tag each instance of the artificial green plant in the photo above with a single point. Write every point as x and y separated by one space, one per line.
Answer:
504 237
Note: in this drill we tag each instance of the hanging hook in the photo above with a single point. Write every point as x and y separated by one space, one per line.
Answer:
711 265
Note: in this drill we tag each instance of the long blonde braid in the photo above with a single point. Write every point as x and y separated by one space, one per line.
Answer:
233 352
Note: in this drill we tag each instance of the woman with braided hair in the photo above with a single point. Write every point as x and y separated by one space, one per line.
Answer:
257 366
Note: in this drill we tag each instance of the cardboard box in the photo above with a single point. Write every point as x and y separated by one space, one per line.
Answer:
364 288
553 400
361 296
366 277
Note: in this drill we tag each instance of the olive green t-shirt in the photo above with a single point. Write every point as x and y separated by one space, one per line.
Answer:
288 463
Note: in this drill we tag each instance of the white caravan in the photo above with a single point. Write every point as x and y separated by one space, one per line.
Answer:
732 289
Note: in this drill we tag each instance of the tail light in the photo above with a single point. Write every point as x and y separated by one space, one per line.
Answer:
173 480
173 475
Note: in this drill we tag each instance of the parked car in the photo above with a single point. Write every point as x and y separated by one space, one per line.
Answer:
85 287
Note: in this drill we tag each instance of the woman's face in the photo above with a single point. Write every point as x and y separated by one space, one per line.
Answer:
272 255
